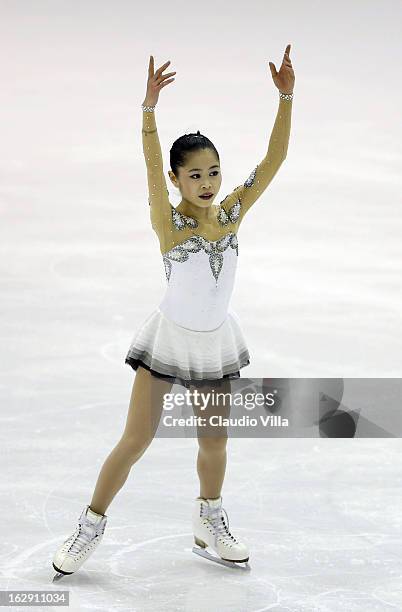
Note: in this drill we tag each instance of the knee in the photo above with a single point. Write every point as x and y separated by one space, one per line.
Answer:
212 445
134 447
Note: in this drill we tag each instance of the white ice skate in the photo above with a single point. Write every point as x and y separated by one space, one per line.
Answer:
81 544
211 529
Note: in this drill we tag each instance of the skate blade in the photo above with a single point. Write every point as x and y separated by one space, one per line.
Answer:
234 564
58 577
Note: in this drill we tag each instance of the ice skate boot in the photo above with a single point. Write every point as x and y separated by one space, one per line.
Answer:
211 529
81 544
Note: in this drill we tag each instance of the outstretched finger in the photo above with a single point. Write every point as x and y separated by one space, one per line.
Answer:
166 82
287 50
151 66
163 77
273 69
286 61
162 68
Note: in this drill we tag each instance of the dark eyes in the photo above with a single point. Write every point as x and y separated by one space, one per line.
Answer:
213 172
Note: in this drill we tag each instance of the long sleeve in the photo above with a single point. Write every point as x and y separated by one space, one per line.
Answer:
264 172
160 207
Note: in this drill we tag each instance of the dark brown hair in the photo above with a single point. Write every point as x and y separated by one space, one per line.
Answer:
186 144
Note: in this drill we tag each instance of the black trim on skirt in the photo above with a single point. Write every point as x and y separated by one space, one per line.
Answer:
134 363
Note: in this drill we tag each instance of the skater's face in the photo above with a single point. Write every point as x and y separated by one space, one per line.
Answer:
201 174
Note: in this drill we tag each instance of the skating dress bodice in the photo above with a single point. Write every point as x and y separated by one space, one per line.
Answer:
200 264
200 275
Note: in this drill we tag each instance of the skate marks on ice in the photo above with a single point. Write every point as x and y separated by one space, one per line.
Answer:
165 574
117 557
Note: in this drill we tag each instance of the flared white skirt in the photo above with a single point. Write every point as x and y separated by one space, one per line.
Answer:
171 351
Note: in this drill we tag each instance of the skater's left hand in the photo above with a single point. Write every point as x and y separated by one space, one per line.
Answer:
285 78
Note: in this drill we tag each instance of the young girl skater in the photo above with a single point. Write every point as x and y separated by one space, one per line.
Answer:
192 337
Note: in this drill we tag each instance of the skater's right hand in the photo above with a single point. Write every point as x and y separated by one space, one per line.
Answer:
155 82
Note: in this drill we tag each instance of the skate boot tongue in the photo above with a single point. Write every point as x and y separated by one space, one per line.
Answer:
93 517
215 503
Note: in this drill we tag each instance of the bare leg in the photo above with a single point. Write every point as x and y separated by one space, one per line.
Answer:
212 440
143 417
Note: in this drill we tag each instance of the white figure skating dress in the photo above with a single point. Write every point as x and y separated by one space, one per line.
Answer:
194 335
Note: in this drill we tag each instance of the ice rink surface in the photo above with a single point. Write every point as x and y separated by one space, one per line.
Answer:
318 293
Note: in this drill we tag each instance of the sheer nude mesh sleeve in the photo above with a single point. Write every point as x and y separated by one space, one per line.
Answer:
160 207
259 179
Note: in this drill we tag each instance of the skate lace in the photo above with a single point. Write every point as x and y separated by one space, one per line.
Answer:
221 530
85 535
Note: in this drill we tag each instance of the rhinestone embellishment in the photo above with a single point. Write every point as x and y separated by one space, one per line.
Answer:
234 212
181 221
250 180
213 248
232 215
222 216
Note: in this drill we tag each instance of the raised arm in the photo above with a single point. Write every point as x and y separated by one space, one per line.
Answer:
261 176
160 207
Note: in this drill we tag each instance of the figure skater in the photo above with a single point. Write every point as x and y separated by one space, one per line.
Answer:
192 337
